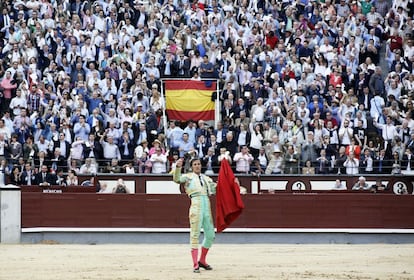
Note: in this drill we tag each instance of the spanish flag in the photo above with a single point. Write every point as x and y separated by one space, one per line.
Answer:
229 204
189 99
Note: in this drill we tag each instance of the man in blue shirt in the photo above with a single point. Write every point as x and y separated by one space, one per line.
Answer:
174 134
185 145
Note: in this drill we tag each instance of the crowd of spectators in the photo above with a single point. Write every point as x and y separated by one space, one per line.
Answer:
306 86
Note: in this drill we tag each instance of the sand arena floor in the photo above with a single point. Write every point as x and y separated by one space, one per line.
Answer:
235 262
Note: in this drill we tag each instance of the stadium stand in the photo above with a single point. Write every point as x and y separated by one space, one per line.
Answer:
305 86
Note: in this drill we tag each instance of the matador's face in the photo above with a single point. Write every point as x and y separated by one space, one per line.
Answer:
196 166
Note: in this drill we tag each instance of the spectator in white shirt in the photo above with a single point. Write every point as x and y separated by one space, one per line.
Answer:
88 51
159 161
76 152
361 185
89 167
17 103
243 159
351 164
111 150
389 131
345 133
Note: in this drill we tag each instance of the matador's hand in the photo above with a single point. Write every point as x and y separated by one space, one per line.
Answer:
179 163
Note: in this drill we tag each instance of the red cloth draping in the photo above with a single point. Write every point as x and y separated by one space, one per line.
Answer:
229 204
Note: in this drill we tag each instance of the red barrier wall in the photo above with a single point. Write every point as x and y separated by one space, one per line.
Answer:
282 210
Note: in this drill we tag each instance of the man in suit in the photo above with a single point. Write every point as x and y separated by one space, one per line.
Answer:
224 63
63 145
365 98
382 163
168 29
141 133
59 179
220 132
229 142
304 51
182 66
126 148
366 163
209 162
288 38
227 111
242 119
28 175
5 19
140 16
58 161
241 105
153 81
167 66
125 81
228 89
92 148
44 178
100 51
202 129
291 161
322 163
151 122
251 64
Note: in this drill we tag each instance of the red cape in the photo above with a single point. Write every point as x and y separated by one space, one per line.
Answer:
229 204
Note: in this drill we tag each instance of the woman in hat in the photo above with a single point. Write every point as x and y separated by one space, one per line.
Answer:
143 147
275 165
155 145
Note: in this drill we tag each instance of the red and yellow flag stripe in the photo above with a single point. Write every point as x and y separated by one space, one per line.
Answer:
189 99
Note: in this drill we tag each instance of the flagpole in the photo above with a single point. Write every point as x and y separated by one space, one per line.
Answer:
164 117
217 103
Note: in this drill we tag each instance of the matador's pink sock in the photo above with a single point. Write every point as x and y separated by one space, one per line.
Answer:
204 252
194 255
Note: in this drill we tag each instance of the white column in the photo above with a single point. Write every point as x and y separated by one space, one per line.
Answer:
10 214
217 104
